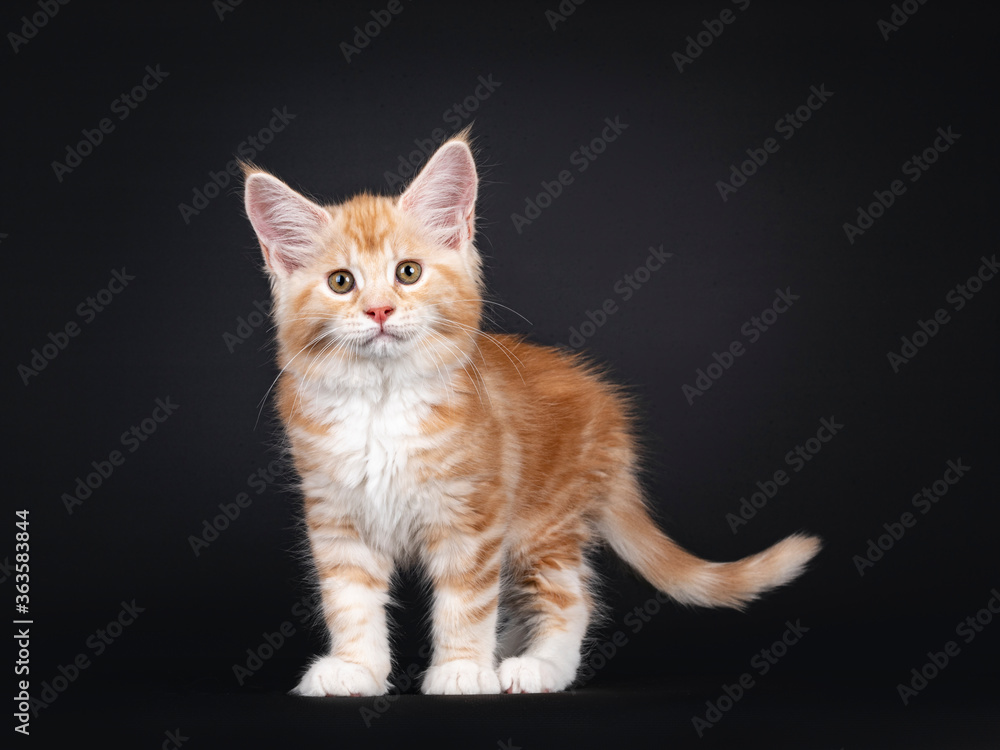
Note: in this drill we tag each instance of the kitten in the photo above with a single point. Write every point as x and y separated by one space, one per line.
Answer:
491 462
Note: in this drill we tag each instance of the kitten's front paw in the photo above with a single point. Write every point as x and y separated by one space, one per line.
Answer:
460 677
329 675
530 674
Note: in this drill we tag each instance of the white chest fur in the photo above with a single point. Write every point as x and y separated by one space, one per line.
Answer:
369 459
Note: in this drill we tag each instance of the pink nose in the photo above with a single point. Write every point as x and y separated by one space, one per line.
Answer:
379 314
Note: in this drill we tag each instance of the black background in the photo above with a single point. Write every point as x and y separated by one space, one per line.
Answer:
164 336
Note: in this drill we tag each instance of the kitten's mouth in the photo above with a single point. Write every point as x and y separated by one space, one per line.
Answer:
382 335
382 343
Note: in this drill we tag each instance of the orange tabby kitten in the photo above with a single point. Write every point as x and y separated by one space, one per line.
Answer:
491 462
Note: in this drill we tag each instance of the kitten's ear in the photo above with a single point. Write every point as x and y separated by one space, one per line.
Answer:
287 224
443 195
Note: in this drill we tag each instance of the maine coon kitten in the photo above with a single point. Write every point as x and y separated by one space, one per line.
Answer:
489 461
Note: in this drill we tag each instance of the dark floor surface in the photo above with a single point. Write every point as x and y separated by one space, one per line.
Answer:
836 712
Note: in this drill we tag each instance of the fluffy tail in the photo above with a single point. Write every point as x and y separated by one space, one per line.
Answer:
690 580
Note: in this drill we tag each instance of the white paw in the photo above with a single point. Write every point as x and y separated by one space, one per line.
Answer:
530 674
460 677
329 675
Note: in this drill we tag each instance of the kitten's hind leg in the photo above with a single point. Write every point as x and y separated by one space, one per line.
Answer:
514 625
561 602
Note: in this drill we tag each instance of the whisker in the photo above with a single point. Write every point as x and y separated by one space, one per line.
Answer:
506 350
424 346
264 399
483 301
472 378
334 342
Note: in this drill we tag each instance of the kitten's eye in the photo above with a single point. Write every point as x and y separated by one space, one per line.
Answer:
408 271
341 281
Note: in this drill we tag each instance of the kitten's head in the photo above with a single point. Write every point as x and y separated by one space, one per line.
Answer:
373 280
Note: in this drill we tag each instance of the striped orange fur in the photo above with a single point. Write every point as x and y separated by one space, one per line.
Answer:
491 462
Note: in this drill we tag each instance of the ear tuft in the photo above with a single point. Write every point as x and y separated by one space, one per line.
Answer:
443 195
287 224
